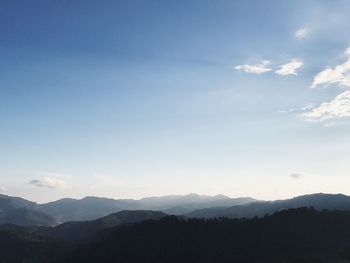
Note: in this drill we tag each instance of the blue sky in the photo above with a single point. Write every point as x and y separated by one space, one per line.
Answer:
134 98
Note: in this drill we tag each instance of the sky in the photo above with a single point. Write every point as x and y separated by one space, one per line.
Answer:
127 99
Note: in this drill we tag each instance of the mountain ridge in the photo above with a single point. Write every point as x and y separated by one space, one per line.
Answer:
260 208
192 205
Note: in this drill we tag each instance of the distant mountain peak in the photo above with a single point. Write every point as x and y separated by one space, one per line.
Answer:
221 196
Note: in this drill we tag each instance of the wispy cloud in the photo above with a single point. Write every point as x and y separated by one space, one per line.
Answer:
306 107
339 75
301 33
255 68
290 68
3 189
49 182
296 175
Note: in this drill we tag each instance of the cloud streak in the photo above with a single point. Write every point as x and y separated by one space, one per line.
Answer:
290 68
255 68
49 182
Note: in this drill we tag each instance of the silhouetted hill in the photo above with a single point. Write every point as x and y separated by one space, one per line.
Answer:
297 235
318 201
85 231
22 245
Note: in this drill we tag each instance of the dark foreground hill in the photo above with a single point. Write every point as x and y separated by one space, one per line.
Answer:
296 235
23 245
299 235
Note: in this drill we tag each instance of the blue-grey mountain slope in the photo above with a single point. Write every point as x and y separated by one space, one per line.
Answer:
26 217
86 230
318 201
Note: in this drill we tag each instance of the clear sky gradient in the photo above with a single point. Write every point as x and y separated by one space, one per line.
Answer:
127 99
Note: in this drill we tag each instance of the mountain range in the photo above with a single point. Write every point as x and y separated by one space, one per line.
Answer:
318 201
15 210
90 208
308 228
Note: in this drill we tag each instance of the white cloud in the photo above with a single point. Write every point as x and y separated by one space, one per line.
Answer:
49 182
296 175
339 75
302 33
290 68
255 68
347 51
337 108
2 189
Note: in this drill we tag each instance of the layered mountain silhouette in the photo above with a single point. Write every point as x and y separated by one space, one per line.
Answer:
308 228
90 208
26 213
260 208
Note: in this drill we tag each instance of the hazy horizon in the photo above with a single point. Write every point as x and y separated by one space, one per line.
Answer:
129 99
164 196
